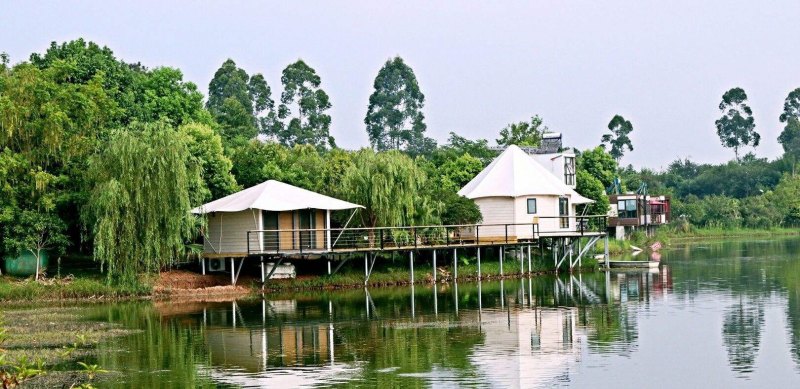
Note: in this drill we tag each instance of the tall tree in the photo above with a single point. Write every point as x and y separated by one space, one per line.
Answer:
144 185
523 133
237 100
394 117
790 136
736 127
304 103
205 145
618 138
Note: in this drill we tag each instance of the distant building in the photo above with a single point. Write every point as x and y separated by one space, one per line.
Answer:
632 211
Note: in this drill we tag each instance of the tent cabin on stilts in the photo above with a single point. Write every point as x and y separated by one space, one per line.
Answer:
516 189
286 218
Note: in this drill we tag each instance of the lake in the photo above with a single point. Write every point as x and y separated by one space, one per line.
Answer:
719 314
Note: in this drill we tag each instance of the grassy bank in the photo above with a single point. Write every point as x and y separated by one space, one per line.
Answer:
81 287
91 285
739 232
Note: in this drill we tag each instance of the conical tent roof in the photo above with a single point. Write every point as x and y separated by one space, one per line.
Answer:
514 173
274 196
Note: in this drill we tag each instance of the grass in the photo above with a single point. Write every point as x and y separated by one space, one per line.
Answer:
83 287
720 232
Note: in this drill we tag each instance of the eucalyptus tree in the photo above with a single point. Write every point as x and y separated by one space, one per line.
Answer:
618 139
790 136
144 184
523 133
304 104
240 103
736 127
394 117
391 187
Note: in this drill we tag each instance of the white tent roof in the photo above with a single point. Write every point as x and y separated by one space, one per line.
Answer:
274 196
514 173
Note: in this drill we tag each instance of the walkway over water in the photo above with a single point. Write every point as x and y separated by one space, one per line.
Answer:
563 234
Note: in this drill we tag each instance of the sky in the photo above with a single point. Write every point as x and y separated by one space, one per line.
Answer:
663 65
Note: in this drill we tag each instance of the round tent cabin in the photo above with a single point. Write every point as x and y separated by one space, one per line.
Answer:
271 217
515 189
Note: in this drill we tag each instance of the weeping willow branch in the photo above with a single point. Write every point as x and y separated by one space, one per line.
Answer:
144 185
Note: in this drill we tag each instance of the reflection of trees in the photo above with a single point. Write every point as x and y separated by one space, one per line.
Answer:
611 328
791 280
741 332
162 355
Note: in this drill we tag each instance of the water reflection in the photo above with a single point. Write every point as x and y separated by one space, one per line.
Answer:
576 330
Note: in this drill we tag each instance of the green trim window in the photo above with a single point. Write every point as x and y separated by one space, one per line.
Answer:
531 206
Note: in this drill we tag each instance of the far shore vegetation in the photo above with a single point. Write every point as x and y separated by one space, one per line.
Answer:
104 158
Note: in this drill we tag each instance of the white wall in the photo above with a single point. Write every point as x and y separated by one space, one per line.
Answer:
496 210
227 231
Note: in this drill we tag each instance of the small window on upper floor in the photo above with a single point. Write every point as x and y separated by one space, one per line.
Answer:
531 206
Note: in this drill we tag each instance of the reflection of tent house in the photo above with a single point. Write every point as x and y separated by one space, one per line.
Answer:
515 188
542 344
271 205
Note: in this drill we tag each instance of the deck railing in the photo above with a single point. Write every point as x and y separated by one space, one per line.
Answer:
319 240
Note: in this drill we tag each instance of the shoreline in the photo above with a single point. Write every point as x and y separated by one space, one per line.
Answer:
93 287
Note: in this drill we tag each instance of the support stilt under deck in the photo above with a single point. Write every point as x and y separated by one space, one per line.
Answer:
455 265
434 266
479 262
411 266
502 254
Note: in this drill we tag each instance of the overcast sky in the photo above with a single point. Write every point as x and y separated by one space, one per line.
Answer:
664 65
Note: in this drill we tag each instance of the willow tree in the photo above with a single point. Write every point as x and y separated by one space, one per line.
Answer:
391 187
145 183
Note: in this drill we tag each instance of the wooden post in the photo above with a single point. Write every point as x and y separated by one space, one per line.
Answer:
329 267
202 265
366 268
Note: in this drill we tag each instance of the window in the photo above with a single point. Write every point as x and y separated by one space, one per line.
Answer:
531 206
569 170
563 210
626 209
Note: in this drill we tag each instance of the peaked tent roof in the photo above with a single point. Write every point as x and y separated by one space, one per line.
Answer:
514 173
274 196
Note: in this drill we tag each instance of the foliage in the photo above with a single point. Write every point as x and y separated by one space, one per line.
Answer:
592 188
303 96
599 164
144 185
618 138
391 188
523 133
394 117
205 145
736 127
35 231
236 100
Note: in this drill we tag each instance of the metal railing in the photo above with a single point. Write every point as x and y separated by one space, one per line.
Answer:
321 240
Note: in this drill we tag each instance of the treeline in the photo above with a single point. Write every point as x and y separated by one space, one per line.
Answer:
748 191
105 157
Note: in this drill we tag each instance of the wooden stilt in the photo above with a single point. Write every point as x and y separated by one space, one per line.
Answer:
434 266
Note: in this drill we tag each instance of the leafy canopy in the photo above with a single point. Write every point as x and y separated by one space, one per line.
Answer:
236 100
618 138
394 117
391 187
144 185
523 133
305 104
736 127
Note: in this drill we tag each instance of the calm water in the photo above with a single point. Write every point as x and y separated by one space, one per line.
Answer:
715 314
